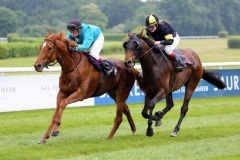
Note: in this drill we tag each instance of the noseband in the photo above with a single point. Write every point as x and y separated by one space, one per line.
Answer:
50 57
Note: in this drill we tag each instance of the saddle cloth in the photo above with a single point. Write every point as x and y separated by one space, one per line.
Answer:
184 58
98 64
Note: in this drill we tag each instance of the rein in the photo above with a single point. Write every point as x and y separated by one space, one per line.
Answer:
59 58
147 51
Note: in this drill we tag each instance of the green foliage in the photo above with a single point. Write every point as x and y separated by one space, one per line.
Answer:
8 21
38 30
234 42
25 39
4 51
188 17
114 37
222 34
92 10
112 48
18 49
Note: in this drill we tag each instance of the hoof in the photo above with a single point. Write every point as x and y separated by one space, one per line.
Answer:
55 133
150 132
42 141
173 134
158 123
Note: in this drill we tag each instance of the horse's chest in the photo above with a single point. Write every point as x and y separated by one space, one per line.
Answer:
68 85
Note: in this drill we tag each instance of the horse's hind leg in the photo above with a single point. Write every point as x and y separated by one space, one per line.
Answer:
126 111
169 104
188 94
117 120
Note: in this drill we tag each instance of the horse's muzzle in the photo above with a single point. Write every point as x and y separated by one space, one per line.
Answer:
39 67
129 63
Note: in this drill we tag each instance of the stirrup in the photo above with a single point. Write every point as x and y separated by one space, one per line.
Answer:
178 68
112 71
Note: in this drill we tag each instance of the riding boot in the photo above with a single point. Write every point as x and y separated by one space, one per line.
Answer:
108 68
177 64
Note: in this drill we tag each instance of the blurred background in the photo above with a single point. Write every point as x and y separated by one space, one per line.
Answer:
189 17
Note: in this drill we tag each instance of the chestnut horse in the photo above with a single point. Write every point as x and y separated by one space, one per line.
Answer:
160 79
80 80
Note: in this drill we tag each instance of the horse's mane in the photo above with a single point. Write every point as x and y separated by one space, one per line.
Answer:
61 36
150 43
147 40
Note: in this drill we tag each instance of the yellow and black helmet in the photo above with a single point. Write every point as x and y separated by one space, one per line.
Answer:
151 20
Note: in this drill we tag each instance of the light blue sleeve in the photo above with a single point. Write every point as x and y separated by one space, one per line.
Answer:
87 40
69 36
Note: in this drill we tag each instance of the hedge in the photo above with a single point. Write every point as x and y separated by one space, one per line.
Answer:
112 47
32 49
113 37
222 34
234 42
107 37
18 50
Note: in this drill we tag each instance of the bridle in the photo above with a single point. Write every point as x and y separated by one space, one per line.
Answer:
52 52
59 57
139 51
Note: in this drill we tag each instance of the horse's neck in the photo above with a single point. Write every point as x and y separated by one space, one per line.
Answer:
69 62
149 60
153 64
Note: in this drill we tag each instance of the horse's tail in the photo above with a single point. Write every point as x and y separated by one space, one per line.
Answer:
139 79
213 78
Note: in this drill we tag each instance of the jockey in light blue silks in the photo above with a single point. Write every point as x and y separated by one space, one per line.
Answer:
89 39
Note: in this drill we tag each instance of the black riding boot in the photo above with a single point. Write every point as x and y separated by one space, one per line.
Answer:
177 64
108 68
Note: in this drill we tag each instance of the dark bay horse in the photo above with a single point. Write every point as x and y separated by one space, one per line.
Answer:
79 80
160 79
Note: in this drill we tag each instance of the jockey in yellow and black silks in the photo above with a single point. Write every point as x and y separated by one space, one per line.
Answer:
165 37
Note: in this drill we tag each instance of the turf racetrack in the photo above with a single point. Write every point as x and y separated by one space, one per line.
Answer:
211 130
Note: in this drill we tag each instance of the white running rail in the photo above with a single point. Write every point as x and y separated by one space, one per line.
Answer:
58 69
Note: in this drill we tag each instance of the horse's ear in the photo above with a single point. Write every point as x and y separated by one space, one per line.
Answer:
48 34
141 33
61 35
129 33
125 45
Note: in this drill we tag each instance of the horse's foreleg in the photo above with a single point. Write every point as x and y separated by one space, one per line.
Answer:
117 120
159 96
145 108
50 128
169 104
76 96
126 111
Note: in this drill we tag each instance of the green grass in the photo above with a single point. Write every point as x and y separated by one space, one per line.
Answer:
212 50
209 50
209 131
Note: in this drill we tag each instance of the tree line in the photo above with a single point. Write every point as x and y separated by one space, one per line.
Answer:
188 17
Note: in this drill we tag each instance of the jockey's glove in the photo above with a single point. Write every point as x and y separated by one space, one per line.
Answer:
167 42
72 49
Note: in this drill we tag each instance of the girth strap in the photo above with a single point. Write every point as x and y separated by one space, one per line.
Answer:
99 84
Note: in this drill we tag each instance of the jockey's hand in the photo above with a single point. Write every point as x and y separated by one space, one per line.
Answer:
72 49
157 42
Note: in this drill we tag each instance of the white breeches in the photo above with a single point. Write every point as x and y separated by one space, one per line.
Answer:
97 47
169 48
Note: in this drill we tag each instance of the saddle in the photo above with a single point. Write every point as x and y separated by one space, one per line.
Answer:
105 66
185 59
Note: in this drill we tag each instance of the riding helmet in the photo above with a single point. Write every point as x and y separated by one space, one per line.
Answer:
152 19
74 25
